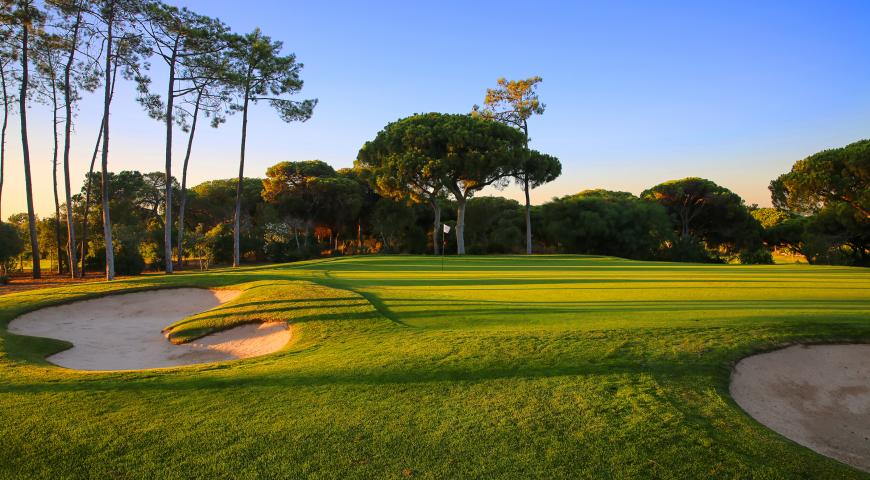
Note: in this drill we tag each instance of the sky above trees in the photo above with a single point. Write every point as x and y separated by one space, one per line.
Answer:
635 95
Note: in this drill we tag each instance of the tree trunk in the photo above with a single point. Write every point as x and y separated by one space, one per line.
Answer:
25 150
88 197
237 218
167 209
54 169
104 172
183 199
437 231
528 215
67 136
526 190
3 133
460 225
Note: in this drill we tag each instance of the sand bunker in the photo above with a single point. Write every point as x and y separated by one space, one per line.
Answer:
123 332
816 395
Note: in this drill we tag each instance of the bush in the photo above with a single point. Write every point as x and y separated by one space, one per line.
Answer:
128 260
11 245
606 223
758 256
688 249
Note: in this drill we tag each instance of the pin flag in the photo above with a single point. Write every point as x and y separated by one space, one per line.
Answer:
446 228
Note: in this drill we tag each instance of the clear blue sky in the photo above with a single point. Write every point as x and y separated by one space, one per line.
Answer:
636 92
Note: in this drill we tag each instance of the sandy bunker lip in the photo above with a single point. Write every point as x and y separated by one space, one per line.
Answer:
816 395
123 332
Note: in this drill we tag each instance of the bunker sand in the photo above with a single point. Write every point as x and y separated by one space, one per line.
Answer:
123 332
816 395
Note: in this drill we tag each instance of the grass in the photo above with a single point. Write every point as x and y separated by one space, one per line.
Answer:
496 367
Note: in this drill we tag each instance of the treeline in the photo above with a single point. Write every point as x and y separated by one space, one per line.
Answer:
308 209
55 51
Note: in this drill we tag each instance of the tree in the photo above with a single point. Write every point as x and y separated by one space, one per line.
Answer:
402 163
74 33
701 210
314 192
179 37
494 225
835 175
424 155
211 98
11 247
828 196
477 154
391 219
782 229
258 72
47 57
292 187
513 102
124 47
27 19
8 57
90 177
212 204
606 223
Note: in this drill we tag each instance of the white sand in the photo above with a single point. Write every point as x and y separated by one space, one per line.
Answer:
816 395
123 332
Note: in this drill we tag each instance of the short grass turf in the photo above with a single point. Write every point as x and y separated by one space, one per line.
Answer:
494 367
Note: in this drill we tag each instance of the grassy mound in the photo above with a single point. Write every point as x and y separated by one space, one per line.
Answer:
497 367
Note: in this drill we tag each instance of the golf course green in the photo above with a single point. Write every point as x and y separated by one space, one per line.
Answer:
494 367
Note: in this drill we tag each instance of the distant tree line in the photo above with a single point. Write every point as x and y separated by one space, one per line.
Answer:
306 209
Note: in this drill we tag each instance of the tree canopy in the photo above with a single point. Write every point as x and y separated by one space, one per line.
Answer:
835 175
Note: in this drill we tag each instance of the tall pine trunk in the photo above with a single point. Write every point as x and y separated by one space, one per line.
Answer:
237 217
67 136
88 190
25 150
90 175
437 231
528 215
183 199
104 168
3 132
460 225
167 210
54 170
526 190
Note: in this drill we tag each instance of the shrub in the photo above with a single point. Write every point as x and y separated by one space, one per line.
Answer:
757 256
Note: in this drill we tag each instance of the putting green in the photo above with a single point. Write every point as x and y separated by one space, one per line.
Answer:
496 367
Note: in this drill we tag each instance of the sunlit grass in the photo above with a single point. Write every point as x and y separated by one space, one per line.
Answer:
496 367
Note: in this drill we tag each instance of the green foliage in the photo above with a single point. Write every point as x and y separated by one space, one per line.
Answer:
758 256
314 193
708 212
827 177
258 72
11 246
837 235
832 188
608 223
394 223
494 225
782 229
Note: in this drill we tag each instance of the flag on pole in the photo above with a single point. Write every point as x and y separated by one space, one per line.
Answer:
446 228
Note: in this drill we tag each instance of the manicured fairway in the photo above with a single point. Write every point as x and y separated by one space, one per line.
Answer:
496 367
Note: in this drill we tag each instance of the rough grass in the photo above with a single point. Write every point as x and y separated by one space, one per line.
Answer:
497 367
